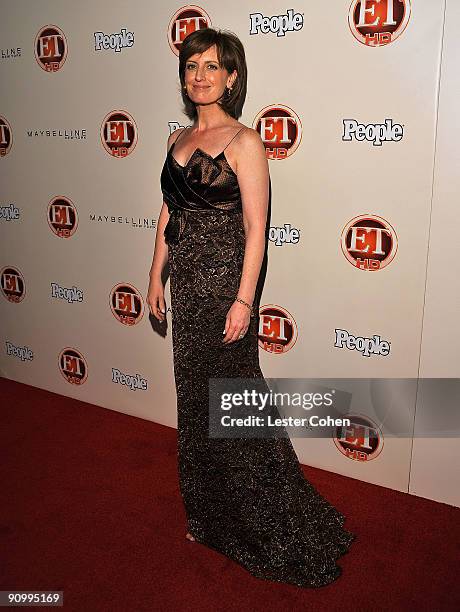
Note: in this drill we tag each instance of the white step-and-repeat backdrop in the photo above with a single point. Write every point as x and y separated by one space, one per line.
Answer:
357 105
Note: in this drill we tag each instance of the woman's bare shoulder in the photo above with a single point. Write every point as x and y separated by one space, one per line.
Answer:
248 149
250 140
173 136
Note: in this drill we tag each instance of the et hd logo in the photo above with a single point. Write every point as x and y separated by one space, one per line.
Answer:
186 20
280 130
277 329
50 48
6 137
360 441
369 242
119 133
376 23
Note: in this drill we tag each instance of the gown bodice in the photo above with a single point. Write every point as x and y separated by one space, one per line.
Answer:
204 184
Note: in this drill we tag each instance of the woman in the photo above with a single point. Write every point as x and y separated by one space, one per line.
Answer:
246 498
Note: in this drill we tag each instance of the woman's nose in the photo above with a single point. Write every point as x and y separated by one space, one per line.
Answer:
199 74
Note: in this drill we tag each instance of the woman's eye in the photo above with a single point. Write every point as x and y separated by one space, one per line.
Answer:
192 66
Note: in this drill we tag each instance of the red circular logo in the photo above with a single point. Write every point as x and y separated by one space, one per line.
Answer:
13 285
126 304
378 22
186 20
362 440
277 329
369 242
280 129
72 366
119 133
62 217
50 48
6 137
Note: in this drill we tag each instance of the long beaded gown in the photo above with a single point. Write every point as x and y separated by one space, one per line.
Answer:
245 498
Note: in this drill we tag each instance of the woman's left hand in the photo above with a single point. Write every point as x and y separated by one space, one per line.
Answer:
236 323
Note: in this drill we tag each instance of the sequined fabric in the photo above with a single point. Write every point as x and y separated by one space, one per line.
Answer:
246 498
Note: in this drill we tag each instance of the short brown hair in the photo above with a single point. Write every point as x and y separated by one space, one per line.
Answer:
230 54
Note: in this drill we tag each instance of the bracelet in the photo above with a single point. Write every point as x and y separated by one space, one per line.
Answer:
237 299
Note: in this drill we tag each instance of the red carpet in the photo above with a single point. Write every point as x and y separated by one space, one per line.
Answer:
91 506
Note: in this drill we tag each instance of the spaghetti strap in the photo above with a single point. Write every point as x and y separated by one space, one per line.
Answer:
185 128
234 137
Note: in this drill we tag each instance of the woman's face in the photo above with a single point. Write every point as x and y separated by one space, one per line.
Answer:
205 79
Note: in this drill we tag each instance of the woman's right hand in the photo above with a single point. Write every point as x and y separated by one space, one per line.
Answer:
156 299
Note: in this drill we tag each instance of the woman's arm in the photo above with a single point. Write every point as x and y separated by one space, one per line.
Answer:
160 252
155 292
253 180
